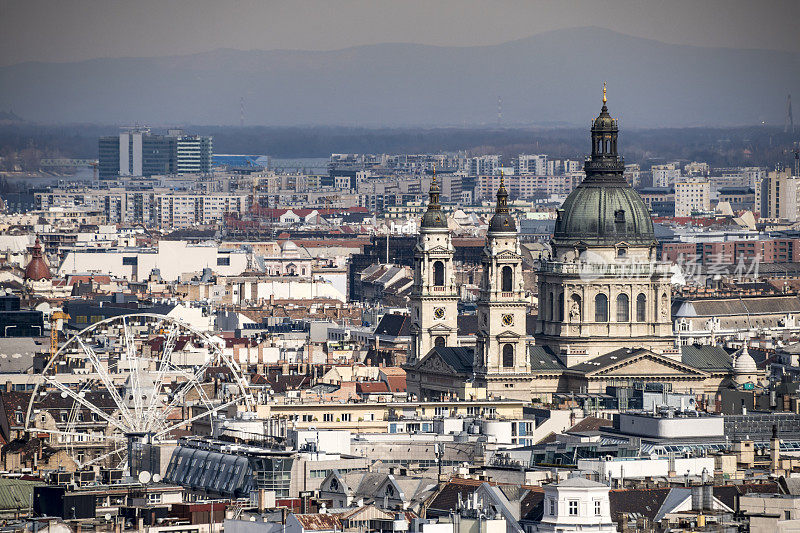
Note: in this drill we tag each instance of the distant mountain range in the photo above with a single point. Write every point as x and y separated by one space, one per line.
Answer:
549 79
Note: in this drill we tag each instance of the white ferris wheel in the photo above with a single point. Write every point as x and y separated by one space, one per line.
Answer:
140 376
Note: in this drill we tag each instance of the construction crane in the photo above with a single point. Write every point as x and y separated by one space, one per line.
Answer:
55 316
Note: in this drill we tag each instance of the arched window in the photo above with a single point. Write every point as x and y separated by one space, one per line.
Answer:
508 279
552 307
623 308
601 308
508 355
641 307
438 274
561 307
438 342
575 309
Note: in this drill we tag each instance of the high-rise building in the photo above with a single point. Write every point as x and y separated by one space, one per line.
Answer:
484 165
137 152
665 175
192 153
692 195
779 196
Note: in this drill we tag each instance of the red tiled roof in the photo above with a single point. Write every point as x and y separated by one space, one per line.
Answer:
372 387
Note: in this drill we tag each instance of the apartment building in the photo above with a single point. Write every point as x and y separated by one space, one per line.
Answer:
154 208
692 195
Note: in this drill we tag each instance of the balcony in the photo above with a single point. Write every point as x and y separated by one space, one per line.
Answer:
602 269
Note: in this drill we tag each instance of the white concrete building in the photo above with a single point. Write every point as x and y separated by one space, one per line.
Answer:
576 504
175 259
691 196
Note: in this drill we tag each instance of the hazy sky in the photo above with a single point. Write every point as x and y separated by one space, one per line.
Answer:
70 30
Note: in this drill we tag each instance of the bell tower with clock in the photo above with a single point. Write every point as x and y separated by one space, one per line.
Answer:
501 360
434 296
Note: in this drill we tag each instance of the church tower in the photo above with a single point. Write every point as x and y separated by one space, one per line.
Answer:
603 288
501 359
434 296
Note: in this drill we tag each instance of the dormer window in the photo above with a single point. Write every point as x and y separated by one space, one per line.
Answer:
619 216
573 507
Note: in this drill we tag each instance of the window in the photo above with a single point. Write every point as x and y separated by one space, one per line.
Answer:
597 507
552 310
438 274
154 497
508 355
575 309
561 307
573 507
601 308
327 417
439 342
346 417
641 308
223 261
552 506
623 309
130 261
507 279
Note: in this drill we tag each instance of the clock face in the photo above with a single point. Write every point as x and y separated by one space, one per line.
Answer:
508 320
438 313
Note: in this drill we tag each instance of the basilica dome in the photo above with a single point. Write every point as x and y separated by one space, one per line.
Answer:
603 214
603 210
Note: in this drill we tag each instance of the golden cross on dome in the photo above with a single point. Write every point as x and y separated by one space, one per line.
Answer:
604 92
502 181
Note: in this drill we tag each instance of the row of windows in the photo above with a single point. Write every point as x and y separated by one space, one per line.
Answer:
572 507
601 308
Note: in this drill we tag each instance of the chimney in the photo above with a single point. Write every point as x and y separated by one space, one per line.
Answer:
775 452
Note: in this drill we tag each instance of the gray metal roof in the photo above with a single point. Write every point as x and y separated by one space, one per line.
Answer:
543 359
706 357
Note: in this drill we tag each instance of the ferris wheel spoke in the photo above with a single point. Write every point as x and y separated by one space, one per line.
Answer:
237 376
80 436
133 374
193 382
108 383
166 355
89 405
204 414
181 395
120 450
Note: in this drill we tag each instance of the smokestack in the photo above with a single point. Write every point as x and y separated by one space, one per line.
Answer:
775 452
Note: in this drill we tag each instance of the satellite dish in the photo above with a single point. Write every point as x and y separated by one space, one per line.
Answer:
144 477
64 395
156 478
107 516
